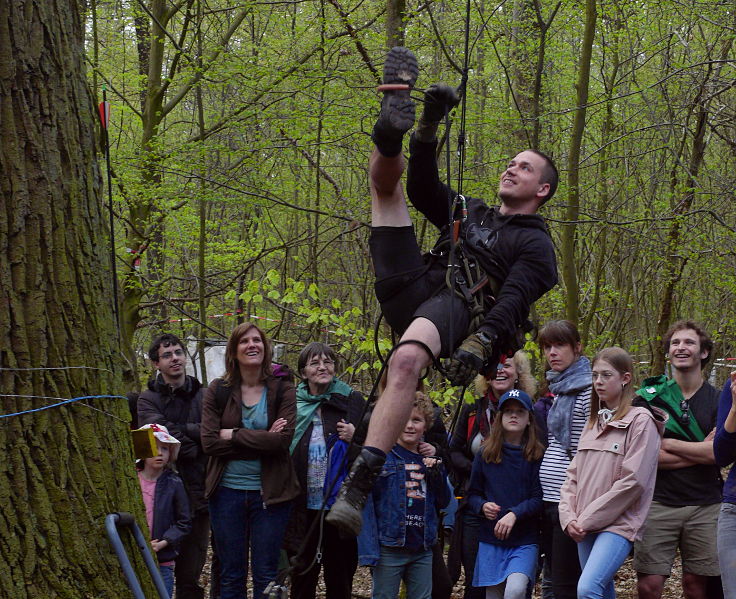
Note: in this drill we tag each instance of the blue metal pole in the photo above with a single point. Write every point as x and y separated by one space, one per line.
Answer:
112 521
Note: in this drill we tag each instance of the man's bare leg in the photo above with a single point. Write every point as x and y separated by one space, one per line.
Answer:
393 408
694 586
389 418
388 209
388 205
650 586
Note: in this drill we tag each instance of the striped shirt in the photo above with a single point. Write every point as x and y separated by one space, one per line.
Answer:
556 460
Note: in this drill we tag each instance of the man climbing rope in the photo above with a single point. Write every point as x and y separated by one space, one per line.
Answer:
473 311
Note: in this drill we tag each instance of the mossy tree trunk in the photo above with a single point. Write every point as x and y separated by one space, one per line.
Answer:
395 25
65 468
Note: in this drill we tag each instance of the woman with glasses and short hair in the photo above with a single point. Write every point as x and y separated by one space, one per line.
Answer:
327 413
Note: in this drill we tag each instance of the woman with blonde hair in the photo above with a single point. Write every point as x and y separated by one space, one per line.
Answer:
473 426
610 482
248 420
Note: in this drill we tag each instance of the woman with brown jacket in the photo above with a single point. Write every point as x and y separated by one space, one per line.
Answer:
248 420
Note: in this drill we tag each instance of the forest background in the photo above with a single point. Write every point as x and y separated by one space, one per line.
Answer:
239 139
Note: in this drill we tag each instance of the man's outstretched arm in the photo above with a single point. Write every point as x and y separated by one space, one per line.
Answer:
427 193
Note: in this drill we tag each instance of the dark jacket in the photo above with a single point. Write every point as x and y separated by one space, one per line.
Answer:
516 250
171 520
180 411
724 444
337 408
541 411
437 436
472 421
278 480
514 485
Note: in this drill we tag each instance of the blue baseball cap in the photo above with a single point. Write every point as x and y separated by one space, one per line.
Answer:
518 395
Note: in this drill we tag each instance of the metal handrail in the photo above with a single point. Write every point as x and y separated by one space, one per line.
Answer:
112 522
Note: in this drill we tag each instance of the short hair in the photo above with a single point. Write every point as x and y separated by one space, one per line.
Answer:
232 368
310 351
560 332
706 343
549 175
425 407
167 340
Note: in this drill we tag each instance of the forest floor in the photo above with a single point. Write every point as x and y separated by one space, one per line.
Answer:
625 584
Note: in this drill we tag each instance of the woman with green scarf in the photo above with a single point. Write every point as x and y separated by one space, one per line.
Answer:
327 410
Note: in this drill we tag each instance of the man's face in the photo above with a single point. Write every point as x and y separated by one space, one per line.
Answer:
520 182
684 350
172 361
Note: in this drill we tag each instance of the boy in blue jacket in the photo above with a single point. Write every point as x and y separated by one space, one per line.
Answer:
400 519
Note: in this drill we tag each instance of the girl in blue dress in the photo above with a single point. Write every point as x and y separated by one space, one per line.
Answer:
505 490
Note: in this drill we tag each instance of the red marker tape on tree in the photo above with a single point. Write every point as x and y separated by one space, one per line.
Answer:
392 87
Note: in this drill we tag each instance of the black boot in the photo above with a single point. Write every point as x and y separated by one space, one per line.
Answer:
347 512
397 108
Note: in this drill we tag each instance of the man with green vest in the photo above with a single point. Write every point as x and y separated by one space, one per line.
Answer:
687 494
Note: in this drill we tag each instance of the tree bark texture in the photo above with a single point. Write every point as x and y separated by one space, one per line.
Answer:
65 468
395 26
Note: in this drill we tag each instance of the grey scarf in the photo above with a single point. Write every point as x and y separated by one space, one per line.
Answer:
566 385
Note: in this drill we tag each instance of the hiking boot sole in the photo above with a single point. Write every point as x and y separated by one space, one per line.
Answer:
397 108
401 67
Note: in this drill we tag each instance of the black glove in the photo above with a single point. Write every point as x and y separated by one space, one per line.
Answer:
437 98
469 359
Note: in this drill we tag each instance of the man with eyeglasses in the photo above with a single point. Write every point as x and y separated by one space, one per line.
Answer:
687 493
174 399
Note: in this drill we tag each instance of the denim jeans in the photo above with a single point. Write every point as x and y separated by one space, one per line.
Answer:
601 555
241 522
727 548
397 563
167 573
449 512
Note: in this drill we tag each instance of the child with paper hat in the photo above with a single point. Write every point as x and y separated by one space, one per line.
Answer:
167 507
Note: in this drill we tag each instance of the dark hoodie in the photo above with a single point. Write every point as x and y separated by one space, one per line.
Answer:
514 250
180 411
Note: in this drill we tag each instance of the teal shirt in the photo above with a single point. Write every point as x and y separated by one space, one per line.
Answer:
245 475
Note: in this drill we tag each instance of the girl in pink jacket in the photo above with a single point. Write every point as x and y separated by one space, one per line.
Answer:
606 496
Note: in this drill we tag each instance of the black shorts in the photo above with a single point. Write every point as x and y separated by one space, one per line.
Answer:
408 287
